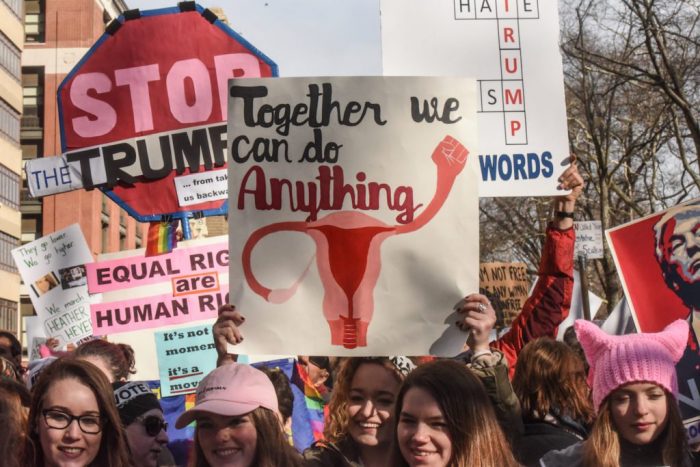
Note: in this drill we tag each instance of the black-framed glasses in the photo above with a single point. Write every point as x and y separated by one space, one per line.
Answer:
89 424
153 425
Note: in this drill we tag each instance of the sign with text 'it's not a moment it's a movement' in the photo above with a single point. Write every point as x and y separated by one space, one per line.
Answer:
138 112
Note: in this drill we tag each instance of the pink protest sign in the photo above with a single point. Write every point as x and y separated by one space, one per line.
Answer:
189 284
135 271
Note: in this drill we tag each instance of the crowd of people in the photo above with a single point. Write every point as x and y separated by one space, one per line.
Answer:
523 399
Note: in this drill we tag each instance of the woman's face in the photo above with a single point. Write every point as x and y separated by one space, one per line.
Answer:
373 390
639 412
70 446
422 432
146 448
227 441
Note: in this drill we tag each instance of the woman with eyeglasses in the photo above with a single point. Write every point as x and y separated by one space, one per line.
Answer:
73 420
142 419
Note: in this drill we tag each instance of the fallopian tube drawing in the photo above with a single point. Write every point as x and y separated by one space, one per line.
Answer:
347 253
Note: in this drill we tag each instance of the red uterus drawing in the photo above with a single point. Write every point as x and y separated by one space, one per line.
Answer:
347 253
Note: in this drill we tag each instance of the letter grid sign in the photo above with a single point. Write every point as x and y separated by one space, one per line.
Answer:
147 105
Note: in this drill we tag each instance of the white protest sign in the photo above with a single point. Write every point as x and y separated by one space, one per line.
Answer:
53 269
512 48
589 239
353 213
200 187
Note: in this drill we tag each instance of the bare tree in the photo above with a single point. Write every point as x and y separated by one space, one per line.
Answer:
632 70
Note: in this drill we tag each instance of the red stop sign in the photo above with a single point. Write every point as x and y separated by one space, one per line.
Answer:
164 72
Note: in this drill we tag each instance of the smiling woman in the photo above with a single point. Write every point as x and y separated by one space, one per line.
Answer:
634 391
445 418
73 419
360 414
238 421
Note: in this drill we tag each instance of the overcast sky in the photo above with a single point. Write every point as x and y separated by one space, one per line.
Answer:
304 37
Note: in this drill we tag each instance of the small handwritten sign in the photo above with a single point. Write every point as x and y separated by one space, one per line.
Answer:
506 285
589 239
53 270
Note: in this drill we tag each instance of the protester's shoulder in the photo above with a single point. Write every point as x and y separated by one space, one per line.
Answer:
568 457
325 454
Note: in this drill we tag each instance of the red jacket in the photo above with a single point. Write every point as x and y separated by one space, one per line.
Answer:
549 303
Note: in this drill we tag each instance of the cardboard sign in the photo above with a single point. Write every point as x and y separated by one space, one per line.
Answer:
185 356
188 284
53 270
507 285
512 48
352 213
657 260
137 111
589 239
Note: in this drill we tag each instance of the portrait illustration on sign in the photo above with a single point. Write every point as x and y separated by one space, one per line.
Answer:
663 284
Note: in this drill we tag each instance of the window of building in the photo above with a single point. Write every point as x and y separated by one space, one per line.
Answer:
9 188
32 226
32 99
10 57
9 122
7 244
34 20
8 315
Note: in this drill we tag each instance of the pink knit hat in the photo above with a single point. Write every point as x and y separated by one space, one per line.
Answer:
619 360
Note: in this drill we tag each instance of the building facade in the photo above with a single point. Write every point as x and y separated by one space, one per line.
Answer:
11 44
57 35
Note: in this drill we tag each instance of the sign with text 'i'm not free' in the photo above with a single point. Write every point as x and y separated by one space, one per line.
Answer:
138 112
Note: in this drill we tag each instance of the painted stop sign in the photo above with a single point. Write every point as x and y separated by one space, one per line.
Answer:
149 99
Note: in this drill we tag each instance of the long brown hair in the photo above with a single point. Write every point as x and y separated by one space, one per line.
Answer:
476 437
602 448
549 375
271 447
113 450
13 421
336 427
118 357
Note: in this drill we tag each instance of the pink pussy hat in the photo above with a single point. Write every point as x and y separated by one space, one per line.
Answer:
231 390
619 360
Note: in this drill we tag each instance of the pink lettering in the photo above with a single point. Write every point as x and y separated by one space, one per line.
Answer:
137 78
196 72
105 118
241 65
515 126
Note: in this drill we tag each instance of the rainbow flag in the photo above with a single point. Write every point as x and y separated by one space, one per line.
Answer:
161 238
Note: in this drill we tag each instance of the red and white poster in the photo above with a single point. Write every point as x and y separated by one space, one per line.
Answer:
658 259
353 213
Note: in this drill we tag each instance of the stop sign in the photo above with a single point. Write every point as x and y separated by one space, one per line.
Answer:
156 82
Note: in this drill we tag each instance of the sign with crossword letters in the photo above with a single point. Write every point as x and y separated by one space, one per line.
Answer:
512 48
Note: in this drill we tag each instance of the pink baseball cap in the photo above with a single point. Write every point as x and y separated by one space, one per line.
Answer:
231 390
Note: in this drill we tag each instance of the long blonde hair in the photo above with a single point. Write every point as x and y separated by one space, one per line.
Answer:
602 448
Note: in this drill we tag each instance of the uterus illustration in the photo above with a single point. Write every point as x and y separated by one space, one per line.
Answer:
347 253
